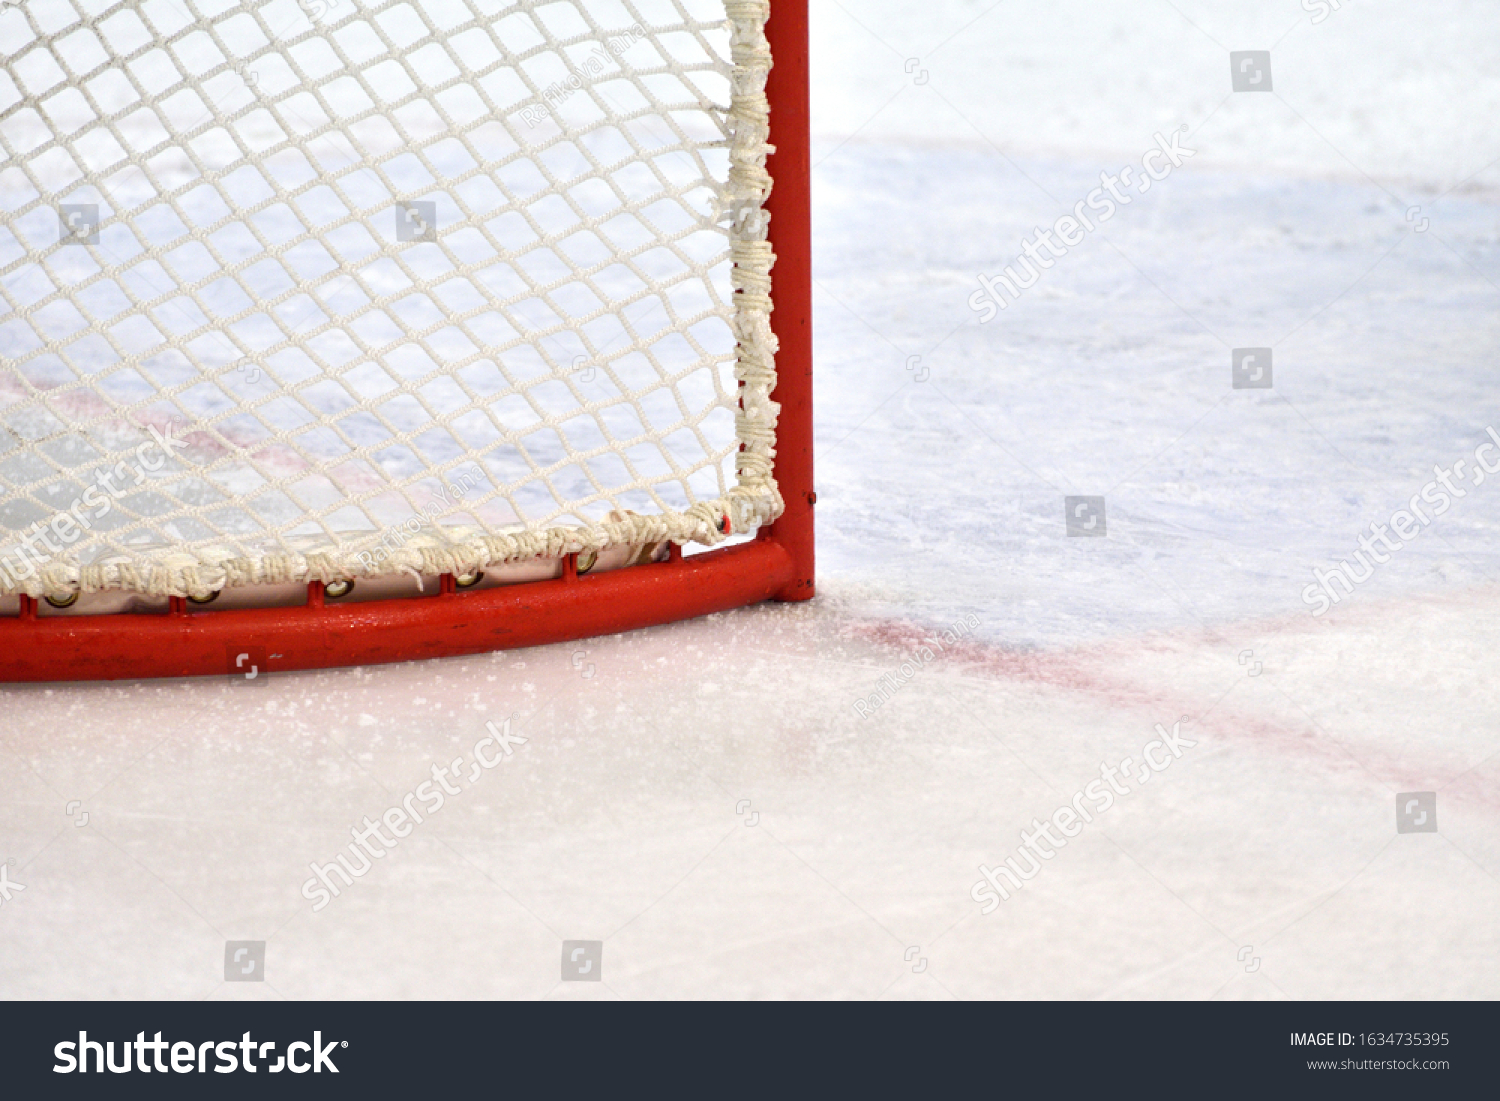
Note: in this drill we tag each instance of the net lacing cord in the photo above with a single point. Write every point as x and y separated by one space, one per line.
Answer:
751 501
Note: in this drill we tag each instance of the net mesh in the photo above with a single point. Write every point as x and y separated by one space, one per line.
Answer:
335 289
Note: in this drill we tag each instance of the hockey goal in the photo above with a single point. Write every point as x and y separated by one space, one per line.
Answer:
348 331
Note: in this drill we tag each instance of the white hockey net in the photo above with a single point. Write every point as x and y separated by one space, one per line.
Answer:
350 288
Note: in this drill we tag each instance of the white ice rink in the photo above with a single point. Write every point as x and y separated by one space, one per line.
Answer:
707 799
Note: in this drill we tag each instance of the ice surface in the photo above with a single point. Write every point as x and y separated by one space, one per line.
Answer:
627 814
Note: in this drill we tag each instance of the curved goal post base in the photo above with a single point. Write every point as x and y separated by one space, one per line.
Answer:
777 564
319 635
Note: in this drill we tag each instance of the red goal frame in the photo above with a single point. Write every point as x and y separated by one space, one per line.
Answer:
776 565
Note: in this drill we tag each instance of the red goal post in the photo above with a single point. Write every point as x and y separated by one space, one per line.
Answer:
776 565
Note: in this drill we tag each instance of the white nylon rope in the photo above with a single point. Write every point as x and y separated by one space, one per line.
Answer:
80 409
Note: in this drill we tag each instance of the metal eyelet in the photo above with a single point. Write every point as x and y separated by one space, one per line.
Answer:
209 599
335 589
67 600
468 580
586 561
